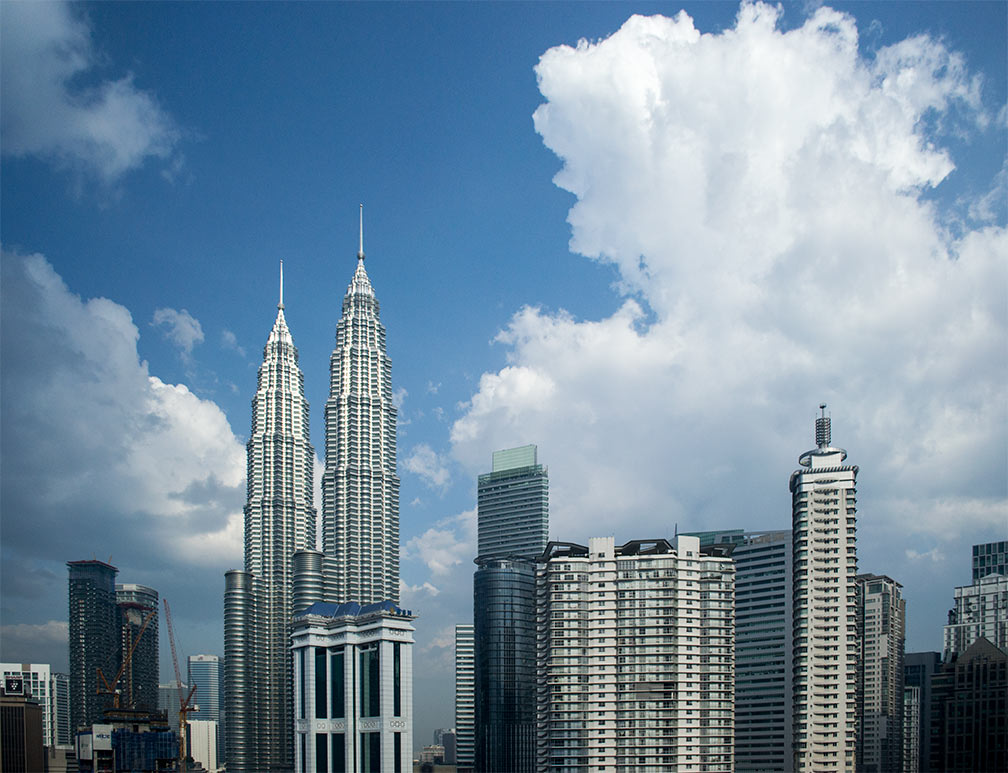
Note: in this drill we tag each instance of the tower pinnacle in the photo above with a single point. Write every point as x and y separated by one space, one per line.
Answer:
822 428
280 305
360 249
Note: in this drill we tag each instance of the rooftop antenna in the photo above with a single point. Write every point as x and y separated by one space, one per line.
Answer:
822 428
360 250
280 305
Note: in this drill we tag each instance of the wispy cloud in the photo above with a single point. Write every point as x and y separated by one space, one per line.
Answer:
230 341
431 466
179 327
108 127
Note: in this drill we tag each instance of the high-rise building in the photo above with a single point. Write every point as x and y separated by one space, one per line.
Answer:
21 732
60 711
911 728
139 683
882 623
763 644
353 677
918 669
981 610
465 699
360 487
512 526
204 672
513 506
990 558
201 741
93 638
825 661
635 657
37 684
279 520
969 711
168 702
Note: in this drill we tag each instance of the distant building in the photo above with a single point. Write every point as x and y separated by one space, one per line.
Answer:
465 699
60 710
21 737
446 737
980 611
129 740
636 657
918 670
201 740
512 526
38 684
353 680
94 634
513 506
204 672
882 622
990 558
911 729
168 702
763 645
825 655
139 683
969 715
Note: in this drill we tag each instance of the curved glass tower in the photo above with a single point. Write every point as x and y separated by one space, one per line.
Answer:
279 520
360 487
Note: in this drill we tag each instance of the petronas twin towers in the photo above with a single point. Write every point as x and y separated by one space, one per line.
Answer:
360 516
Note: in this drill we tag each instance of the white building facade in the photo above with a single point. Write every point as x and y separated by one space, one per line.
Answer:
51 692
635 657
360 486
353 677
825 620
279 520
202 738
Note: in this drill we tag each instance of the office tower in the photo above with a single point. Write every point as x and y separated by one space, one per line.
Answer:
513 505
763 644
824 528
139 683
882 623
445 738
37 685
204 672
353 677
635 656
918 669
990 558
279 520
981 610
93 638
360 487
60 710
969 720
21 735
911 729
201 741
512 525
168 702
465 699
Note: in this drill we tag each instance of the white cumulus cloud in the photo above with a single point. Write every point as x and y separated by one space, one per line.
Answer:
107 127
450 543
429 465
762 194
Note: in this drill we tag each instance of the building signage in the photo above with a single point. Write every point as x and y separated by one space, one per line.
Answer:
102 739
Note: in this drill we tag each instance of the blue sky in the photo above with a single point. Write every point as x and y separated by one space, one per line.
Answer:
755 211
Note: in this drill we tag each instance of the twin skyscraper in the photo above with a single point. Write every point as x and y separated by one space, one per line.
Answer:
352 582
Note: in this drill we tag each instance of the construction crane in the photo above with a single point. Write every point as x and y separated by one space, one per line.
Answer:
185 706
103 687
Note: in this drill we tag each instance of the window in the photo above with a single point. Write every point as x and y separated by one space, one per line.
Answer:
321 753
339 752
337 684
320 683
370 694
396 688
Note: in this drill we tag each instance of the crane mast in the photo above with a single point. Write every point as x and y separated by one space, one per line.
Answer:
185 706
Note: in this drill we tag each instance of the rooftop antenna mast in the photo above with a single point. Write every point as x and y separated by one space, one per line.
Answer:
360 249
280 305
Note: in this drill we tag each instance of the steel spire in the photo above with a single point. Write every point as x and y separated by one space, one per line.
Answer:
360 250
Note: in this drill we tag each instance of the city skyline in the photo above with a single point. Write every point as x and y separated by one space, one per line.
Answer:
661 320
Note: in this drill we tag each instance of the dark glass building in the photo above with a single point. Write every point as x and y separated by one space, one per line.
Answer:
918 668
990 558
504 601
94 632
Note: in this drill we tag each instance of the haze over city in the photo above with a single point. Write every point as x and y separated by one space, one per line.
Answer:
650 245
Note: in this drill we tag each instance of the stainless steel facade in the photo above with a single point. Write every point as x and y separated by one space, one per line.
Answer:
279 520
360 487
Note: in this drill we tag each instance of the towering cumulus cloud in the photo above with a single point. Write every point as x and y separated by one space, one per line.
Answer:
768 198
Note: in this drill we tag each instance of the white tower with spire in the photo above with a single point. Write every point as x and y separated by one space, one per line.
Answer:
825 622
279 520
360 487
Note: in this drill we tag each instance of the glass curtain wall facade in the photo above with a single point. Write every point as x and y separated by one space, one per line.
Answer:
763 646
279 520
93 627
465 699
513 505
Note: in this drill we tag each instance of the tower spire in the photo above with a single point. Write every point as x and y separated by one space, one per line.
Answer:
360 249
280 305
